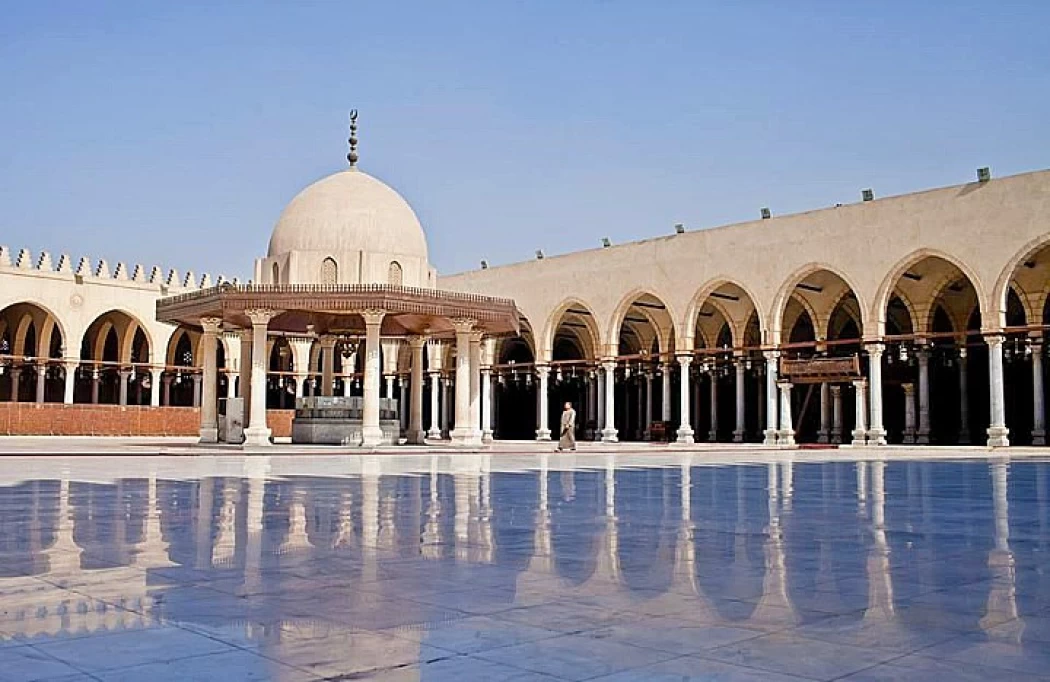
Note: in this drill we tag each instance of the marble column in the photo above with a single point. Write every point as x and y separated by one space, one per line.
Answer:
475 385
244 387
876 431
685 429
836 414
327 343
166 389
156 379
860 430
463 434
665 404
124 375
415 434
486 404
371 432
998 434
909 413
964 398
646 421
609 430
447 397
543 431
786 433
741 376
402 402
70 367
209 430
824 435
771 397
41 381
1038 396
923 435
195 379
435 413
599 379
712 435
257 434
16 374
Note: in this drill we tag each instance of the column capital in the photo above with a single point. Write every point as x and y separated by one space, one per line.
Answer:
836 390
463 325
416 341
995 338
211 325
684 360
373 316
70 365
876 349
771 354
609 365
260 316
542 369
327 341
909 389
860 383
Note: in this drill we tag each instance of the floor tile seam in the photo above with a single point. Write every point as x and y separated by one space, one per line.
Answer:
801 678
552 634
109 671
870 667
62 661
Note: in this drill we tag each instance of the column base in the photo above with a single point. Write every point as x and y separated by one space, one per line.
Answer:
877 437
922 438
465 438
486 436
909 438
543 434
836 437
786 438
417 437
860 438
823 437
685 435
434 434
998 437
770 437
1039 437
712 436
257 436
209 434
371 436
964 437
738 436
609 436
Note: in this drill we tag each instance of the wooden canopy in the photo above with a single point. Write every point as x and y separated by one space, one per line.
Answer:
820 370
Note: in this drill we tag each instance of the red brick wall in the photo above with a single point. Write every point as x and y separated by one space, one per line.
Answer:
58 419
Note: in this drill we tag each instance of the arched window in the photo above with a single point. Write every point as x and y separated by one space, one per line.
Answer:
329 271
276 274
394 275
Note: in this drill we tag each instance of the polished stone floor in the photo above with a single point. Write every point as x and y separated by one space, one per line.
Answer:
528 567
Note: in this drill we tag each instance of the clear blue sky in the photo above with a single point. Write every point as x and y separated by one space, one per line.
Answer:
174 132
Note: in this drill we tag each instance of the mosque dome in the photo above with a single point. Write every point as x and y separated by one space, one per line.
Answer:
346 212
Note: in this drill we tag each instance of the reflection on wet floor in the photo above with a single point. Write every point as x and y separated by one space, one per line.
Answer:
573 568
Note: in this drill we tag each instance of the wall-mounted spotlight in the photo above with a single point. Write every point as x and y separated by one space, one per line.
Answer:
539 254
484 264
867 195
606 243
766 214
984 174
679 228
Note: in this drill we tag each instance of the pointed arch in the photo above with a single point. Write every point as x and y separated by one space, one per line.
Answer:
996 307
580 313
800 277
664 323
707 295
889 284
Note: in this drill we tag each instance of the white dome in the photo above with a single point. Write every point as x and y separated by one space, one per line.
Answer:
345 212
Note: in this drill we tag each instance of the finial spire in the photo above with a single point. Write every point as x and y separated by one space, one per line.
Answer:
352 156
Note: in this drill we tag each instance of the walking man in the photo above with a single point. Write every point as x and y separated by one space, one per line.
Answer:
567 439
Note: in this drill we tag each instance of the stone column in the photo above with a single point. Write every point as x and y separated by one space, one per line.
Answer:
543 431
923 435
124 375
836 414
646 420
909 413
70 367
166 381
824 435
327 343
998 434
16 374
447 399
771 397
463 434
475 385
244 388
41 381
599 378
609 430
786 433
435 395
685 429
257 434
665 404
371 432
300 383
876 431
196 380
415 435
860 430
741 376
402 402
712 435
964 399
156 379
1038 396
486 404
209 413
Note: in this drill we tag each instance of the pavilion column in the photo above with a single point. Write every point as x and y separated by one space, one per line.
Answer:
712 435
923 435
446 405
738 432
836 414
245 381
371 432
665 403
41 381
685 429
165 381
475 384
124 374
609 431
155 385
327 343
16 374
860 430
786 433
876 431
998 434
543 432
771 398
463 434
257 433
70 367
599 378
435 395
1038 396
209 413
964 399
415 434
824 435
486 404
909 413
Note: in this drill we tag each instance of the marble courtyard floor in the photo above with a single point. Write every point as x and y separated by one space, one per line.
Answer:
731 564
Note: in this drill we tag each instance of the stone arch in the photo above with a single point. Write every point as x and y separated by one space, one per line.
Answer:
996 319
579 313
703 295
395 274
800 277
44 322
889 284
173 344
124 324
329 271
663 324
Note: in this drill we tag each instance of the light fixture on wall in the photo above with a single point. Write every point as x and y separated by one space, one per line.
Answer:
984 174
679 228
867 195
539 254
606 242
484 264
766 215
